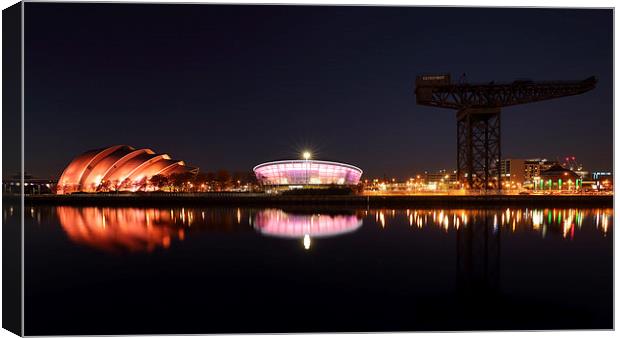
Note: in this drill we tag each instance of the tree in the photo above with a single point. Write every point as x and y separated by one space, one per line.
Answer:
250 178
176 181
159 181
104 185
223 178
126 183
238 179
251 181
211 179
141 184
114 185
182 181
201 181
188 179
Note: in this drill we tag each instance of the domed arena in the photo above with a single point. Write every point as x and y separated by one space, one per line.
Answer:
119 167
307 173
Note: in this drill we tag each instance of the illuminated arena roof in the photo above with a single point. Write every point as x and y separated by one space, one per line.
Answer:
307 172
121 166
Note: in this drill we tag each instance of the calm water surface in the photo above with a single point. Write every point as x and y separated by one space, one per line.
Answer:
101 270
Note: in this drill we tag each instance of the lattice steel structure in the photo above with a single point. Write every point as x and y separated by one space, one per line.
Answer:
478 118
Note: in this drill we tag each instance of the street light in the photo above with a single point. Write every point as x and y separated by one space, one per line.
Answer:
306 155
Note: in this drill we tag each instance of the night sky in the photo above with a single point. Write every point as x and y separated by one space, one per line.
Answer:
231 86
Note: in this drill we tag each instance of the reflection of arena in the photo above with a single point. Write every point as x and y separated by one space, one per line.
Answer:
118 230
307 172
275 222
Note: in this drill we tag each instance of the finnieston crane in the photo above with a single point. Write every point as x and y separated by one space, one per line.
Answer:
478 109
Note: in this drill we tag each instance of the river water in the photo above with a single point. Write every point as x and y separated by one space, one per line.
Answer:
100 270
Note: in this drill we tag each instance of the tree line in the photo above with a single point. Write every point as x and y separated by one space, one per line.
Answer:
221 180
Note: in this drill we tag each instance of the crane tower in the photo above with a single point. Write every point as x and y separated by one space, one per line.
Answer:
478 108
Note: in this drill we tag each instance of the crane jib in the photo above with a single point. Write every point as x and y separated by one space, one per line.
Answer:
478 109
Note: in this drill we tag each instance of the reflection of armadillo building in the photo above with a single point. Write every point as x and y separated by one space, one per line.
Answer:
121 167
117 230
275 222
138 230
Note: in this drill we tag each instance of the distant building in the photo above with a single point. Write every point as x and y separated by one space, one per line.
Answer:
517 173
32 185
598 175
559 178
441 180
513 171
523 172
602 180
440 176
583 174
534 167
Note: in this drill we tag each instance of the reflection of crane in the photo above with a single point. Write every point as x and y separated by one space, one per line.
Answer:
478 117
478 255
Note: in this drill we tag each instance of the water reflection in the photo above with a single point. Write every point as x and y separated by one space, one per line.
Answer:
478 253
543 221
453 268
276 222
146 229
138 229
115 230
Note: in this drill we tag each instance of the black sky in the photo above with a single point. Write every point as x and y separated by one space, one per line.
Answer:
230 86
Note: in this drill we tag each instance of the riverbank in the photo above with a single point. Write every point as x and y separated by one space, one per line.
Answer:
265 200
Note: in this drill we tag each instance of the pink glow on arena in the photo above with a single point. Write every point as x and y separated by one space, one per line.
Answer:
275 222
307 172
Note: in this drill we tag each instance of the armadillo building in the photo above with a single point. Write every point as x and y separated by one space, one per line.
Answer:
307 173
121 167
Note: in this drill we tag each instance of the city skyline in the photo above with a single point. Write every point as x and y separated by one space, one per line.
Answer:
229 87
390 168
